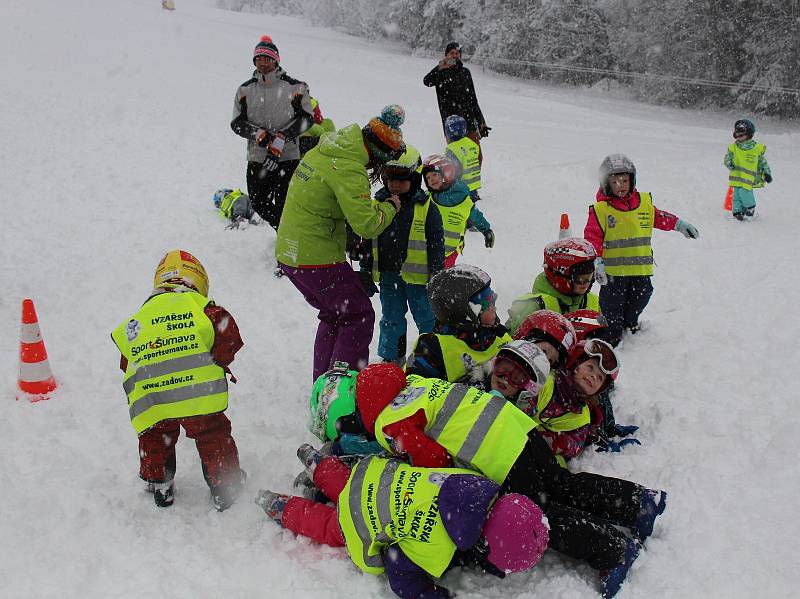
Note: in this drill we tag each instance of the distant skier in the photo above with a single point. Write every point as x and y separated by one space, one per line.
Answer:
455 92
175 354
747 163
620 227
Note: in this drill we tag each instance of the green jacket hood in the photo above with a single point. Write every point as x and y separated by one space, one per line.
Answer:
347 142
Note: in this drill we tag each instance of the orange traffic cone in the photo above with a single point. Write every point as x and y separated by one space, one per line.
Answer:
728 205
563 229
36 380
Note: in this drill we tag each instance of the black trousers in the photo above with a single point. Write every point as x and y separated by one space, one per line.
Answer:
582 508
622 300
267 189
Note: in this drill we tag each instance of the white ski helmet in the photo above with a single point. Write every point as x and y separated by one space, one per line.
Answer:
615 164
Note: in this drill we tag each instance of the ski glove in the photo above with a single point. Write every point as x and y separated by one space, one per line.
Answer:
484 130
622 430
767 177
613 446
488 238
365 277
600 274
688 229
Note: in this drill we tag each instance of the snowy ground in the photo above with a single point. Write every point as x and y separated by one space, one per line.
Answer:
115 135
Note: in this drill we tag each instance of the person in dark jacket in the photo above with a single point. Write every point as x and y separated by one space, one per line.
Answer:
407 254
271 110
455 92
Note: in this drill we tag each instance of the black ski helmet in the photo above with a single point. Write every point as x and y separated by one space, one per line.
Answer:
616 164
745 126
449 292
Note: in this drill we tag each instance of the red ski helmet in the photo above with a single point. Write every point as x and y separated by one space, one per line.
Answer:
545 325
563 259
587 323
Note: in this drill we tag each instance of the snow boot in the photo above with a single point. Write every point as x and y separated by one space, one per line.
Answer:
305 487
163 493
225 494
738 215
612 579
273 504
310 458
652 505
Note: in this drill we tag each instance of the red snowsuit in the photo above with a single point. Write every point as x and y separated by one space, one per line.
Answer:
211 432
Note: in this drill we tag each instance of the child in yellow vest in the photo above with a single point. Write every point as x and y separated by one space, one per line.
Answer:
465 152
175 355
620 226
748 169
458 209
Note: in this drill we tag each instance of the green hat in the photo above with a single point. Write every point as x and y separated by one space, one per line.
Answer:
332 397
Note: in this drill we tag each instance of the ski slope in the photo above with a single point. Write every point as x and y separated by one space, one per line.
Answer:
115 135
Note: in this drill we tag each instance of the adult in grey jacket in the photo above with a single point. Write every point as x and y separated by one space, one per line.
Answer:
270 110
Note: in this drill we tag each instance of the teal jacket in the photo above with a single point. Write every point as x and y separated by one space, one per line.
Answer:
329 188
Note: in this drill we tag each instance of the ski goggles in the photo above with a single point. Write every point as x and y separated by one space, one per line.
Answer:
485 298
510 371
597 348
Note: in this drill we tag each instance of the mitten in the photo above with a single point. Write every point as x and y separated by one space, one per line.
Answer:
600 271
365 277
613 446
488 238
622 430
767 177
688 229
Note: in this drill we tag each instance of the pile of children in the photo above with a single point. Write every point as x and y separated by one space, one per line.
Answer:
459 456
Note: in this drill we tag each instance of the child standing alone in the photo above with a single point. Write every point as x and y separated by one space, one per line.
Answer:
748 168
620 227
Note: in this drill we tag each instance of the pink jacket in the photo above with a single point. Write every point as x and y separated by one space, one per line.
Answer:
593 232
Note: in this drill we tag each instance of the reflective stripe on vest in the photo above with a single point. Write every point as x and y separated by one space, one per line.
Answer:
170 371
227 202
414 270
390 502
454 221
745 166
467 152
626 237
459 358
480 431
568 421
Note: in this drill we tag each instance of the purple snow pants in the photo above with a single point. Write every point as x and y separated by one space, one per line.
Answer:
346 317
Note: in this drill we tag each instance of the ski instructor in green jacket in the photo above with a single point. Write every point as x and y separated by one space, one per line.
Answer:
329 190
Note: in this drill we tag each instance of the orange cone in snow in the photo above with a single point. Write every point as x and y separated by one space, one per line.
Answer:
563 230
36 380
729 199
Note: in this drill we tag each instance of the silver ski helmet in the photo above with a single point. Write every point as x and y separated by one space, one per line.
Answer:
450 291
615 164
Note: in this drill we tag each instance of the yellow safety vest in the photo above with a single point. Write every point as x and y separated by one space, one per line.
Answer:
227 202
569 421
467 152
415 268
170 372
626 237
454 221
459 358
480 431
388 502
745 166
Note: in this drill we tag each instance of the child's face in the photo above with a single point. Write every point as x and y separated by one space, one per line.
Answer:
582 283
550 351
588 377
620 184
434 180
489 315
397 186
